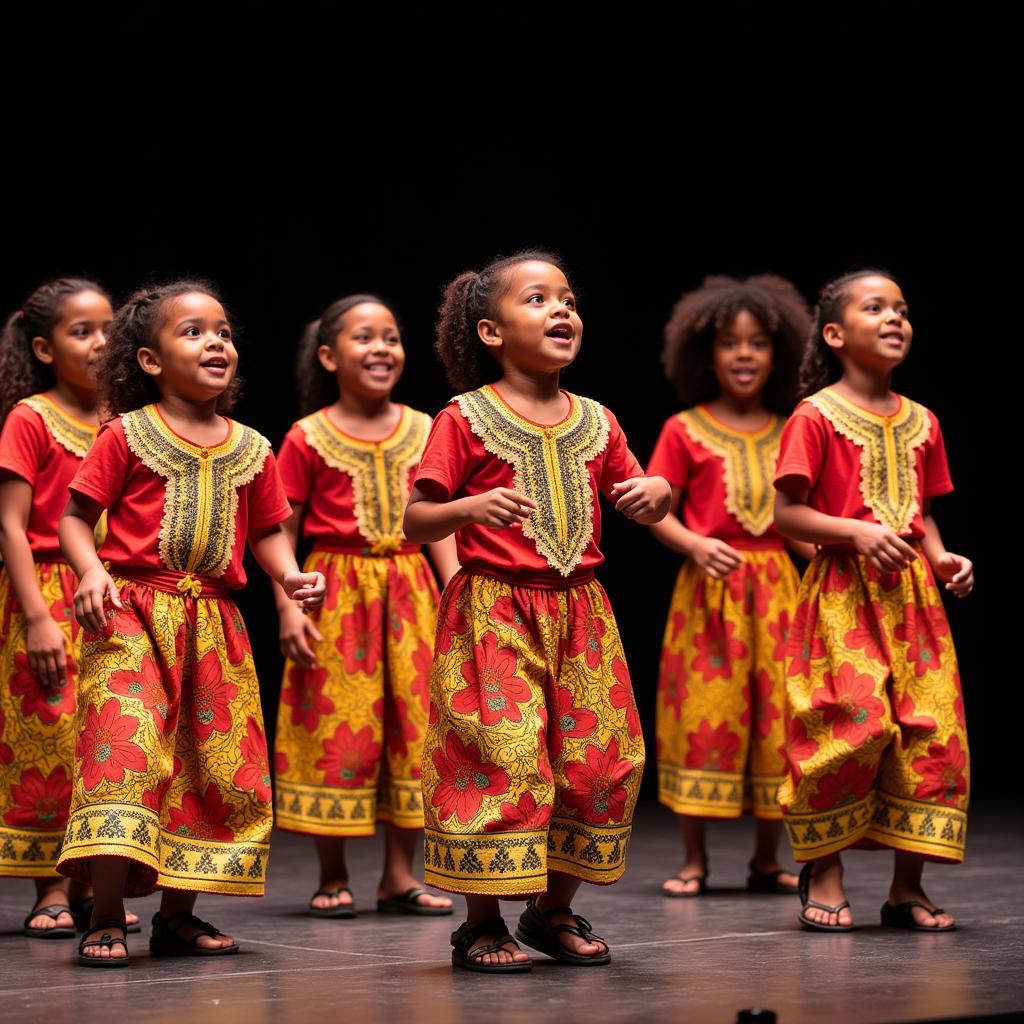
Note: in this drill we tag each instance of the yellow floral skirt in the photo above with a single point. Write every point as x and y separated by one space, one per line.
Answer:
534 751
171 766
876 735
350 731
721 688
37 731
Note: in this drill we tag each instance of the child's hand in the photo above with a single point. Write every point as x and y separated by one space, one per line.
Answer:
47 652
715 557
643 498
297 634
882 548
956 572
499 508
95 588
307 589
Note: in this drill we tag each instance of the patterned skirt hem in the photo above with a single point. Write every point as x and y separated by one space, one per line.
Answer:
29 852
722 795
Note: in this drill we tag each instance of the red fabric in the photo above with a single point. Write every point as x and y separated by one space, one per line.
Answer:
28 450
698 473
456 463
112 475
814 451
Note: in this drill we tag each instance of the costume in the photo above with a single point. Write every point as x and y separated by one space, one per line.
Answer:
534 753
721 683
44 446
350 731
876 735
171 767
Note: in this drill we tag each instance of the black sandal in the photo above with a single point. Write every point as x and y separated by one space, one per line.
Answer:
702 886
81 911
902 916
463 939
165 940
406 904
107 940
536 930
803 888
768 882
341 910
52 911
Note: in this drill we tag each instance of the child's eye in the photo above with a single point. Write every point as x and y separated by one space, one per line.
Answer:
571 303
192 332
540 298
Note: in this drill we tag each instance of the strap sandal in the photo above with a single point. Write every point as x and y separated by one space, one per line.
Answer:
902 916
406 904
768 882
105 940
536 930
341 910
702 886
52 911
465 936
81 911
165 940
803 887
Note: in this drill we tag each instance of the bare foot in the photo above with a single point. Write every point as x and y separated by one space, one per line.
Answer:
902 893
44 922
339 899
826 887
116 950
695 871
573 943
510 953
394 888
768 867
180 925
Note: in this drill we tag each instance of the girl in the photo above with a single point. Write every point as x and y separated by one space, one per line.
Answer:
355 682
732 348
533 756
171 784
876 735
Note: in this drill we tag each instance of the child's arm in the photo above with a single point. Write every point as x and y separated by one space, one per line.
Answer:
802 548
276 556
78 542
714 556
47 652
956 571
428 520
297 631
446 560
645 499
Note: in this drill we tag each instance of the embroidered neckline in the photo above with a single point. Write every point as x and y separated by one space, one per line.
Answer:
70 433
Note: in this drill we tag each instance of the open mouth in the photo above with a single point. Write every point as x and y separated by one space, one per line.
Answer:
217 365
379 369
894 337
563 332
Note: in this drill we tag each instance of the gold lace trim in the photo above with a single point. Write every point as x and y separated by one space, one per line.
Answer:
197 532
379 471
748 465
69 433
550 466
888 477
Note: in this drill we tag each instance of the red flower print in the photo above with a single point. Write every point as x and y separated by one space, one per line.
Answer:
621 696
868 636
62 612
451 620
146 685
568 721
717 649
202 817
349 757
850 705
543 761
400 732
908 718
47 703
765 710
432 717
6 754
798 747
886 580
154 798
597 789
362 636
803 645
211 695
304 694
942 772
713 749
958 704
672 682
505 612
333 581
105 746
236 640
400 607
494 691
746 586
921 629
845 786
39 802
524 815
255 772
779 631
465 779
585 632
280 762
678 621
838 576
422 662
132 617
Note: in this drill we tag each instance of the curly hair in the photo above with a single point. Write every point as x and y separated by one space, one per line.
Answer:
317 386
124 385
21 372
469 298
698 316
821 366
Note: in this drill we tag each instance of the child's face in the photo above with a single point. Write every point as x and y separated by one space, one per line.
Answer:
537 328
194 357
875 331
741 357
77 339
367 356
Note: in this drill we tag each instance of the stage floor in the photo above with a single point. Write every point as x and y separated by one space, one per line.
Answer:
674 960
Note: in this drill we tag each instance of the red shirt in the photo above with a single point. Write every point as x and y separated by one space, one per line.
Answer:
561 467
725 475
354 492
205 499
44 445
861 465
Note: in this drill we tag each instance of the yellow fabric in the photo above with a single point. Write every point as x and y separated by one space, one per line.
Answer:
72 434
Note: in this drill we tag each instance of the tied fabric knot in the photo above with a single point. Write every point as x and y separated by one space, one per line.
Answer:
189 586
387 546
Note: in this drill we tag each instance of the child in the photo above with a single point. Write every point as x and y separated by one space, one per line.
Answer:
876 735
171 785
732 348
355 682
533 756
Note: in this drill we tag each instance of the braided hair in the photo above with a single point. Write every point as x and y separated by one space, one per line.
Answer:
699 315
469 298
21 372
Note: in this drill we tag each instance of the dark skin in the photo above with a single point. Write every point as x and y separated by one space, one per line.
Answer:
871 339
535 334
